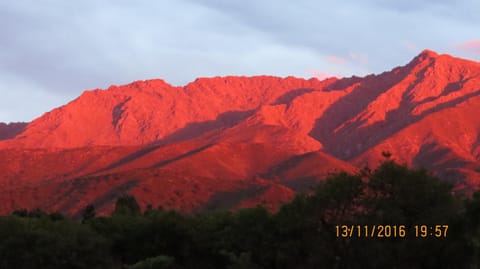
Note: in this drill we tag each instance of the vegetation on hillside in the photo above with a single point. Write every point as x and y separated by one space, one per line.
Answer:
391 217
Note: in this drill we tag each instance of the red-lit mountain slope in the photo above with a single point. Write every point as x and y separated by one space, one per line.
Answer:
228 142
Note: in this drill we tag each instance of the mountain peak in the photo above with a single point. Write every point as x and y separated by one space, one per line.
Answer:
425 56
426 53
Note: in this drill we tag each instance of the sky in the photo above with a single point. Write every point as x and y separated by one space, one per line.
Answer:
53 50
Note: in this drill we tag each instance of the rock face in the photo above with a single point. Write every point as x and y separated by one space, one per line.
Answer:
235 141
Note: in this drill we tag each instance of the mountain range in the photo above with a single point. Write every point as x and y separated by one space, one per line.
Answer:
230 142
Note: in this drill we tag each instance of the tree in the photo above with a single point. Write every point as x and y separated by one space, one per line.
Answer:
127 205
56 216
23 213
45 243
89 213
149 210
398 195
392 194
36 213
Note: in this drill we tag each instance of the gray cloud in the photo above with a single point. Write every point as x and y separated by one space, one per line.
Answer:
53 50
375 27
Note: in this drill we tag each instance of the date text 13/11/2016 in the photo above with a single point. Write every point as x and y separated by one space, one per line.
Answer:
391 231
